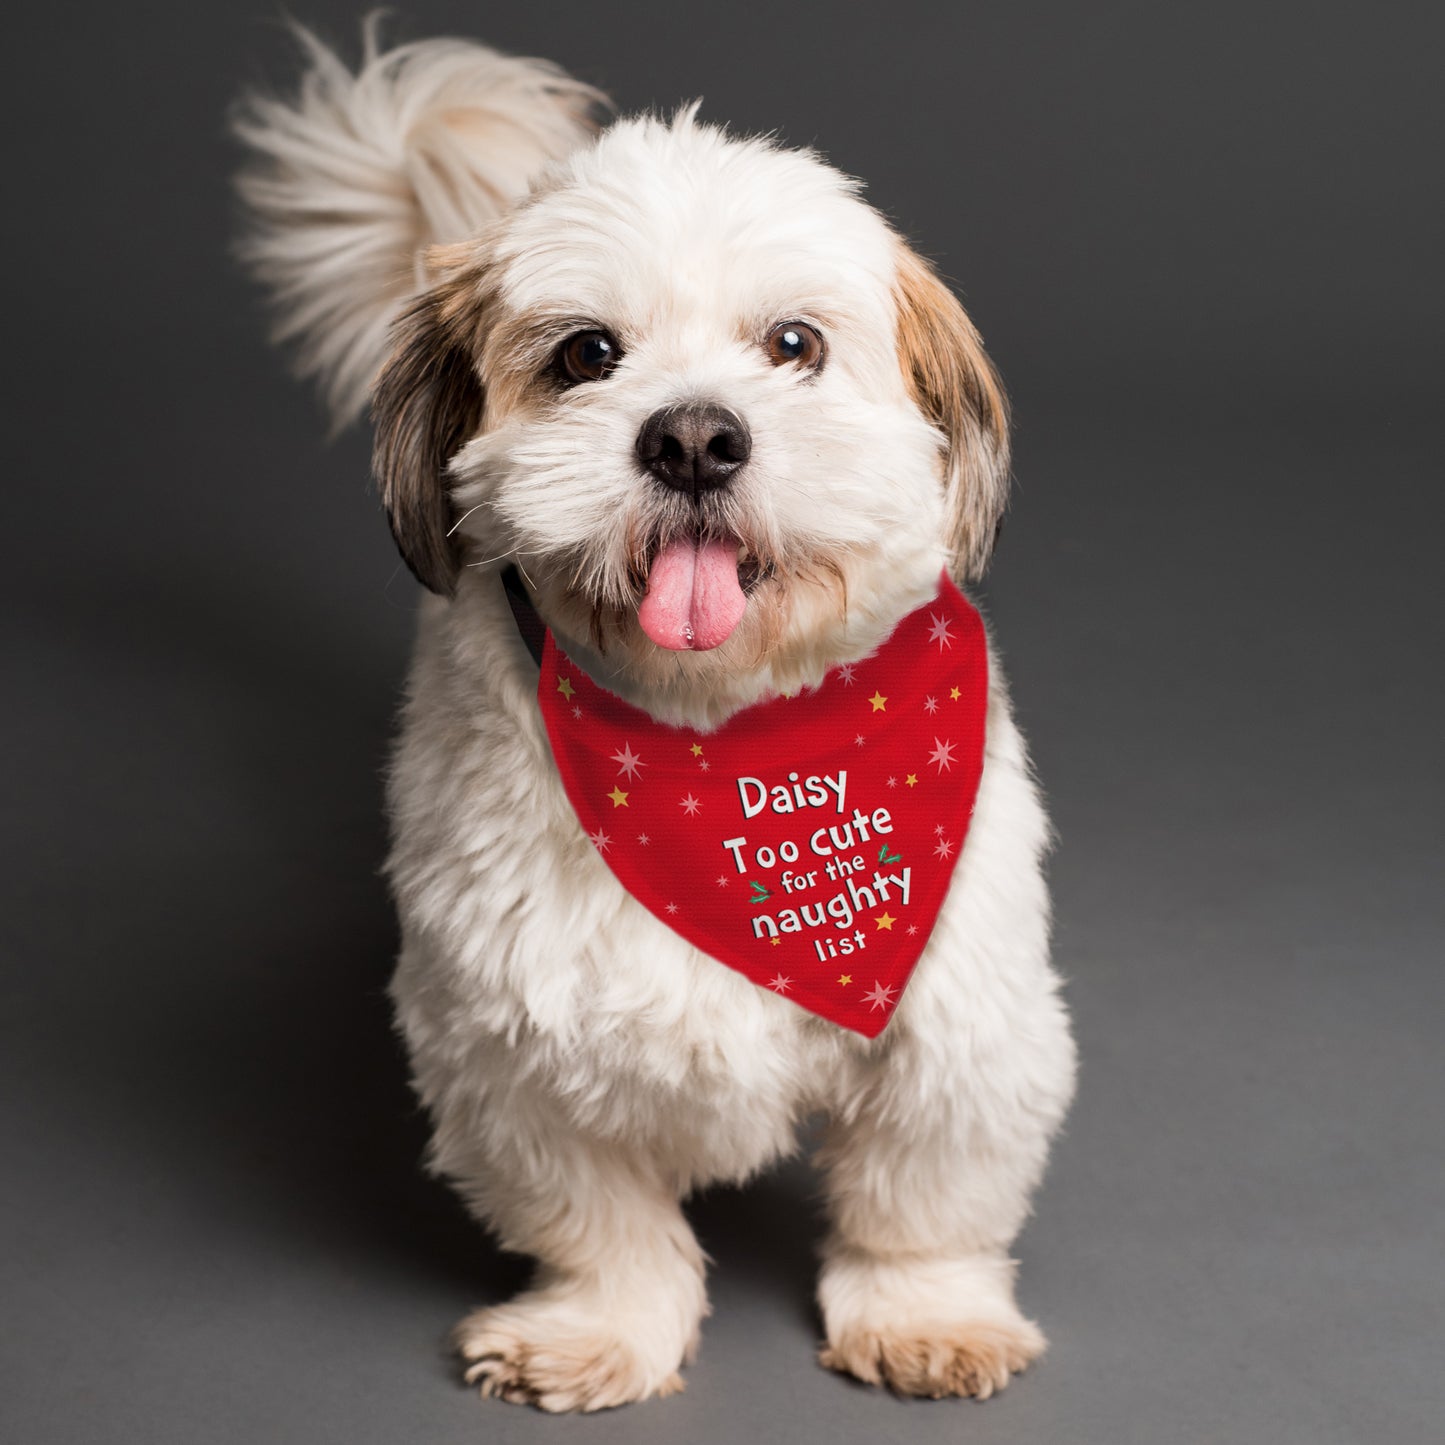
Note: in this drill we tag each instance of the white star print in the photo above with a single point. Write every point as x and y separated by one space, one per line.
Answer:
944 849
600 840
845 674
930 704
880 996
939 632
628 761
942 754
690 805
781 984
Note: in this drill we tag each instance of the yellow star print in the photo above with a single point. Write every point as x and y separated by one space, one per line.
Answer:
885 920
619 798
776 942
564 686
879 702
845 978
696 750
911 780
955 694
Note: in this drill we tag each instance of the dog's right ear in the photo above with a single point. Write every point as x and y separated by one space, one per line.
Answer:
426 404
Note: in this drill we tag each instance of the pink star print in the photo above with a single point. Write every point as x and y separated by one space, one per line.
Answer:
939 632
672 908
600 840
643 839
912 929
942 754
860 740
845 674
628 761
881 996
930 704
576 712
722 881
939 829
892 782
690 805
944 849
781 984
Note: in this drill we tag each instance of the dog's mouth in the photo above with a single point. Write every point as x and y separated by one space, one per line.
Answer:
697 592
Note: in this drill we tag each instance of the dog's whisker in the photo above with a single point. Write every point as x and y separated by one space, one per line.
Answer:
502 557
464 517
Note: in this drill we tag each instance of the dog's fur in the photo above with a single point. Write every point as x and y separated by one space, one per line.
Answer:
432 227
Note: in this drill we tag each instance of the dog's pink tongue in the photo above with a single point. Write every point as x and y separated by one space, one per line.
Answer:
693 598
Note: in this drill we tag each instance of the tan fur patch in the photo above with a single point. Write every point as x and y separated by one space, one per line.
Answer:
973 1358
555 1369
956 387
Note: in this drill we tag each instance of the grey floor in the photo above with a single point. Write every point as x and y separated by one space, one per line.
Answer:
1218 597
214 1224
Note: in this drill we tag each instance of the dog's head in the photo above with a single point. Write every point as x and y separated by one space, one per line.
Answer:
726 422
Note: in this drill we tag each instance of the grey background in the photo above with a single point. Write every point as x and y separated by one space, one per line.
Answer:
1204 246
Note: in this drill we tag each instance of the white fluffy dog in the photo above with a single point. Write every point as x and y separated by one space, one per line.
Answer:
520 288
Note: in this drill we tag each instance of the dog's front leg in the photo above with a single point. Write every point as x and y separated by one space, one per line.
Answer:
615 1307
926 1192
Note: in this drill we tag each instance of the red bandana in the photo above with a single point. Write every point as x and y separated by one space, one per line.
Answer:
809 841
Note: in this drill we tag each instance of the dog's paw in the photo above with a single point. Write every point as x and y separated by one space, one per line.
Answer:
925 1325
551 1354
970 1357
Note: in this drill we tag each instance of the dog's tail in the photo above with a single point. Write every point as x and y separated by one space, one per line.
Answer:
349 180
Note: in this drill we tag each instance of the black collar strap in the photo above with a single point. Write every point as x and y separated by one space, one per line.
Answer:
529 624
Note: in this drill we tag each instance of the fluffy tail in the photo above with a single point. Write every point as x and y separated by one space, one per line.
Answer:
352 178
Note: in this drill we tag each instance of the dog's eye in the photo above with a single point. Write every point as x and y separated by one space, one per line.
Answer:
792 342
588 356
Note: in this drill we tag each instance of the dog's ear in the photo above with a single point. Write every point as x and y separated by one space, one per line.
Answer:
426 403
955 386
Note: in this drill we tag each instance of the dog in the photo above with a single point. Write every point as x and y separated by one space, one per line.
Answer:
523 286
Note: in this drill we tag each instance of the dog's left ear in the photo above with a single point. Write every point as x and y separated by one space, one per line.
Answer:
426 403
955 386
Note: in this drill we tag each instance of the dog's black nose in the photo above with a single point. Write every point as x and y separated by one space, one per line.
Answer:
693 448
